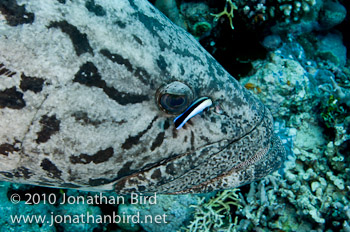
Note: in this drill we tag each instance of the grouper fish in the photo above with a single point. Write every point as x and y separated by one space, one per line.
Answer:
111 95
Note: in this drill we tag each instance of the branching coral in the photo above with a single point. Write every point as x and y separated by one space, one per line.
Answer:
229 5
342 94
216 214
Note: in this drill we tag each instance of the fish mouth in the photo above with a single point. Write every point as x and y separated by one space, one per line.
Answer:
221 165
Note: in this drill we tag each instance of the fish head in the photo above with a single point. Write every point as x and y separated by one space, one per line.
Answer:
89 101
229 144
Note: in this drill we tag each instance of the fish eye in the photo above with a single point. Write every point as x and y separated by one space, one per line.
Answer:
173 103
174 98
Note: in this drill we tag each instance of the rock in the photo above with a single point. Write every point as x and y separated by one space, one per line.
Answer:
330 47
332 14
272 42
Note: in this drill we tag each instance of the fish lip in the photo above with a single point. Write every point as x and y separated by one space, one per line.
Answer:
271 160
266 158
188 180
261 163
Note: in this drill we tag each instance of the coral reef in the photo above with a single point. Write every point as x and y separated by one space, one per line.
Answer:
314 192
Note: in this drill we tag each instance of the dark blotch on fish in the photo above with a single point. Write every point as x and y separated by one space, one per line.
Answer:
22 172
116 58
5 71
161 63
51 168
31 83
50 125
79 40
120 24
139 72
6 148
166 124
174 133
134 140
158 141
125 170
192 140
157 174
153 26
137 39
7 174
83 118
88 75
11 98
95 8
170 169
15 14
100 157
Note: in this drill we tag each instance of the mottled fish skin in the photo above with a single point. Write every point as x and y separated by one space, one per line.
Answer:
78 110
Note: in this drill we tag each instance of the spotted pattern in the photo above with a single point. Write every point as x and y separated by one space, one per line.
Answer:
11 98
33 84
15 14
95 8
139 72
78 105
99 157
51 168
88 75
6 149
50 125
79 40
6 72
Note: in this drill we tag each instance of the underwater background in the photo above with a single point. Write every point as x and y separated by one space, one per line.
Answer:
293 56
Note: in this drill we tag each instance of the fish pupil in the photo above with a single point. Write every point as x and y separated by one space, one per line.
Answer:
176 101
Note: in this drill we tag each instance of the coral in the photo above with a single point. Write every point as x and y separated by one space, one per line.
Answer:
216 214
229 5
197 18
